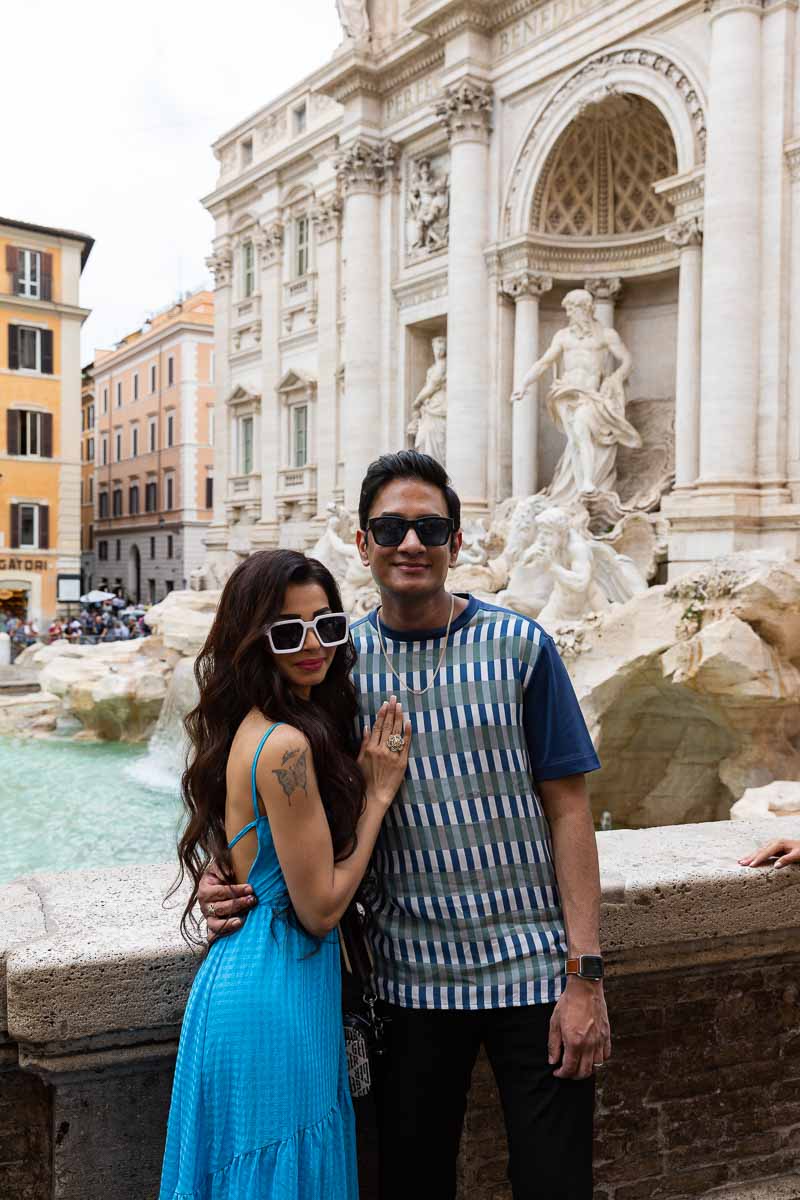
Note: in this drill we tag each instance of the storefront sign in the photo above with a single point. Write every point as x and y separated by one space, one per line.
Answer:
541 23
23 564
69 589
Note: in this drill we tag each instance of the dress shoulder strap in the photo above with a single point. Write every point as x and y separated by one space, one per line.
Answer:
254 791
256 756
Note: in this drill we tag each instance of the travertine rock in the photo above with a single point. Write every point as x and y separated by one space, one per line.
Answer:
692 692
115 690
778 799
182 620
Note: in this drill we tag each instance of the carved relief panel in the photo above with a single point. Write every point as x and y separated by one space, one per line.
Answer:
427 204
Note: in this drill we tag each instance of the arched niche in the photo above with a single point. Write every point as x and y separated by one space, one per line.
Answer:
637 71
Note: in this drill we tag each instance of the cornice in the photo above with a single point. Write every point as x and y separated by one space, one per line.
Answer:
442 18
584 258
422 289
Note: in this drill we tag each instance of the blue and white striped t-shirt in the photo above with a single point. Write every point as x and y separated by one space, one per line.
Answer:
468 914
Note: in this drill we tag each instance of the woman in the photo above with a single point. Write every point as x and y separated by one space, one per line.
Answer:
279 798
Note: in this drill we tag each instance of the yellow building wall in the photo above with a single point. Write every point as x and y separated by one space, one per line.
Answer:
25 478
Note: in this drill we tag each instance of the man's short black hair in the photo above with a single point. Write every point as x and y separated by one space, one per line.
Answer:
406 464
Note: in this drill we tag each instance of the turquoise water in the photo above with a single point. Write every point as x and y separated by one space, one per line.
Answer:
70 805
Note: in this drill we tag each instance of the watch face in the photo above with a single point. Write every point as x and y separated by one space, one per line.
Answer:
591 966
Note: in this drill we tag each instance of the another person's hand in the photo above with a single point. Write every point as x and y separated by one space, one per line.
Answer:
383 768
785 850
516 396
580 1035
224 905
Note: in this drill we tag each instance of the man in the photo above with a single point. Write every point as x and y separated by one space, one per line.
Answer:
486 871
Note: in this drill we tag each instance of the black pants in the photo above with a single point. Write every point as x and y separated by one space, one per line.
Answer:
421 1096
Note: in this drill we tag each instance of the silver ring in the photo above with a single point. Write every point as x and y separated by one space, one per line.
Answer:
396 743
212 911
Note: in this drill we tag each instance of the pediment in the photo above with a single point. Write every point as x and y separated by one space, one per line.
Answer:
296 380
242 395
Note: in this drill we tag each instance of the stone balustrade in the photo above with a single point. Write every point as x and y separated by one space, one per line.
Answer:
702 1096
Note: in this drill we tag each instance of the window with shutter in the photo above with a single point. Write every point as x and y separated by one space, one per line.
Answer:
47 435
12 432
12 266
47 276
14 527
29 344
47 351
13 348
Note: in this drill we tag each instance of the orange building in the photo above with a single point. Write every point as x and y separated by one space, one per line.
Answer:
153 456
87 477
40 398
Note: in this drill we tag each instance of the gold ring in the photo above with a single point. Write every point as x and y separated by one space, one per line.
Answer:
396 743
212 911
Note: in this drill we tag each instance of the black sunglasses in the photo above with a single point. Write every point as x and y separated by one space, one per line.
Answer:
431 531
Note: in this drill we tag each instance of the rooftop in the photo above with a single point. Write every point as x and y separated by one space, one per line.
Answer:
52 231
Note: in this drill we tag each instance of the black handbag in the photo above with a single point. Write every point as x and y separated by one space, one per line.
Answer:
364 1027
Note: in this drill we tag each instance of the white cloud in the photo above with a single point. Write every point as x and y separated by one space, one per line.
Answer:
115 108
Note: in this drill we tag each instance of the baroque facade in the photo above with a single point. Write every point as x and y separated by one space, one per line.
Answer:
455 170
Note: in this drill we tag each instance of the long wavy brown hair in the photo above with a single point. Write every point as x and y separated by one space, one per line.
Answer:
236 673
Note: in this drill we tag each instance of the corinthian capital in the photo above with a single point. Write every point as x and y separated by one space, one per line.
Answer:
366 166
685 233
466 110
525 284
269 243
327 217
604 289
220 264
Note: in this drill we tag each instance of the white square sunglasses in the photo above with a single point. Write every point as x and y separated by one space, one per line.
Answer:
330 629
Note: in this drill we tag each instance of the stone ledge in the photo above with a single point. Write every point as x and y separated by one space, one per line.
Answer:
768 1189
671 895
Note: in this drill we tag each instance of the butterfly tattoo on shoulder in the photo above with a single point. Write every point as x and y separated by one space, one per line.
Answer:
292 773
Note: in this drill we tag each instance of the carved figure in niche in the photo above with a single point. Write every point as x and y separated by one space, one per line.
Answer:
588 408
580 575
354 19
428 425
429 207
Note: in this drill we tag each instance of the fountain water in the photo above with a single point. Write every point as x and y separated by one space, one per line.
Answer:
166 758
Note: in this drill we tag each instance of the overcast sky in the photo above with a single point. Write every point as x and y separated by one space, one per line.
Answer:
110 111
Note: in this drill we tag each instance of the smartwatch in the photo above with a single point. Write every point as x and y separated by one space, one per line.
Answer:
587 966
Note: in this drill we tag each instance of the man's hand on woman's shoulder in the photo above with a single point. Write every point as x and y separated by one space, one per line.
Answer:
784 850
224 905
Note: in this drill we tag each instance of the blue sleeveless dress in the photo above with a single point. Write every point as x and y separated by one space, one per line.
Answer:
261 1106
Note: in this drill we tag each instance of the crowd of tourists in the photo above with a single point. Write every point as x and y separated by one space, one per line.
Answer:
108 622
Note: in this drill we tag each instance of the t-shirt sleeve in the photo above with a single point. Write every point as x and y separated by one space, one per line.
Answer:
556 733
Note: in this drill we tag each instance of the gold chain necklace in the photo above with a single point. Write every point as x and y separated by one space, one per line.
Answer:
400 680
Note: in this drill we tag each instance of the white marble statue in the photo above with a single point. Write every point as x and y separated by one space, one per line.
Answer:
588 408
337 550
354 19
428 425
428 207
566 574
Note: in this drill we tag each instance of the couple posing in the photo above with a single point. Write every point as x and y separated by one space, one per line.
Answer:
465 802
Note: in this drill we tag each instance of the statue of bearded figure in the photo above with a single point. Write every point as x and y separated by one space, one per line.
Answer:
588 408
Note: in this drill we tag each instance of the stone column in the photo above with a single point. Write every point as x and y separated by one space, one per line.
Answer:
465 112
220 264
732 250
526 290
688 235
326 216
606 293
362 171
793 421
269 244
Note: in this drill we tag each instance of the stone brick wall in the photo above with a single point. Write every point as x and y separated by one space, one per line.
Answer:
702 1097
703 1090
